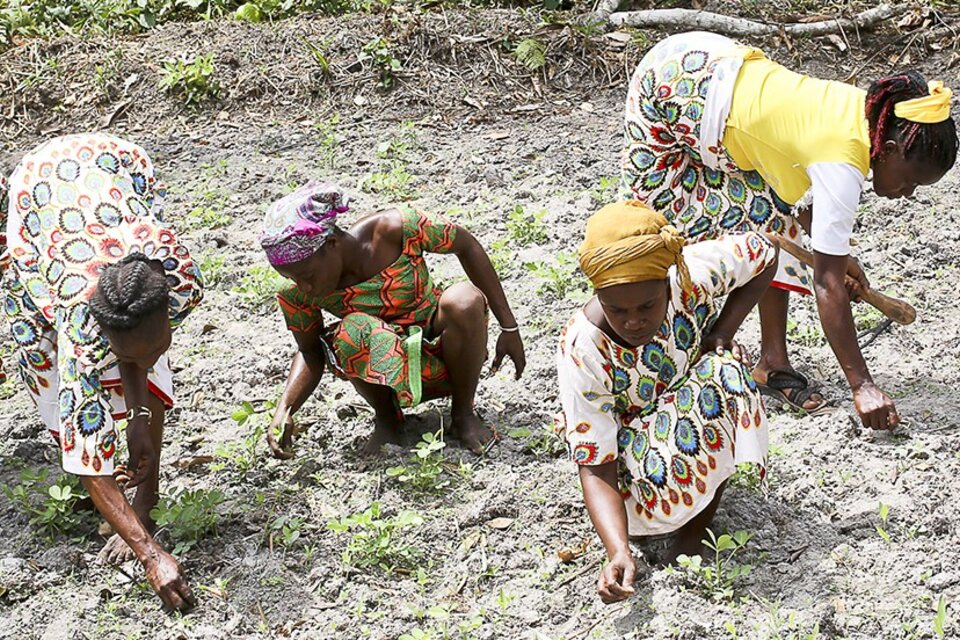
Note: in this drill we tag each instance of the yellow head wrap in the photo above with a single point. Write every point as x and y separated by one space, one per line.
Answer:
929 109
629 242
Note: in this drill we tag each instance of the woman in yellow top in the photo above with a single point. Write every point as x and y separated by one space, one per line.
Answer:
720 139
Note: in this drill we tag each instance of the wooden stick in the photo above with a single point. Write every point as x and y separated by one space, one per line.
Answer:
691 19
894 308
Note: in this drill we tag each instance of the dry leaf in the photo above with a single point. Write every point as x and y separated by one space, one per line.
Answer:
469 542
500 523
187 463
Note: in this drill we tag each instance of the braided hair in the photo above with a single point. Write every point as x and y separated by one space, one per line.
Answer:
936 143
127 292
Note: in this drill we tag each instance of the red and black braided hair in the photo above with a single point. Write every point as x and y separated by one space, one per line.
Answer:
935 143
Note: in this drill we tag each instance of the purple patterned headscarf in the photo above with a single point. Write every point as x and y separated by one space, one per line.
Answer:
297 225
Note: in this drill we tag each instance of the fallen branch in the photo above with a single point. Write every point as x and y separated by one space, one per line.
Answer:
690 19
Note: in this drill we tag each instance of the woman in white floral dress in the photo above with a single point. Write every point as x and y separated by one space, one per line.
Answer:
658 405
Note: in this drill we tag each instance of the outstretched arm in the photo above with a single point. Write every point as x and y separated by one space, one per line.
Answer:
609 517
876 409
305 373
478 268
162 570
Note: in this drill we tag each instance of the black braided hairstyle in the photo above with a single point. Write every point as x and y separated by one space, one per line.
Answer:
127 292
935 143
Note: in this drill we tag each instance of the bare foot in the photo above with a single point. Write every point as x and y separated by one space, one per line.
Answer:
472 432
385 431
115 552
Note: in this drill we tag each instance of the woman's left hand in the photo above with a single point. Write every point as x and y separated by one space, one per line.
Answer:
510 344
717 343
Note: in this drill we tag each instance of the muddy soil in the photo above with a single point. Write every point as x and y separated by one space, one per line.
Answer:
486 552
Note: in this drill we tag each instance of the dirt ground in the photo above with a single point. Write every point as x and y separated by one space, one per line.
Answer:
472 135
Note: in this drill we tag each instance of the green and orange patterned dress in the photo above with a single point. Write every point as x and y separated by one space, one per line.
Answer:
383 336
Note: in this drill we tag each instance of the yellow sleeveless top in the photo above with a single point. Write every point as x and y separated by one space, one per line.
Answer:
781 122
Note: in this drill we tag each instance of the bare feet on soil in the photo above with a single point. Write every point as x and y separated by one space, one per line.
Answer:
472 432
386 430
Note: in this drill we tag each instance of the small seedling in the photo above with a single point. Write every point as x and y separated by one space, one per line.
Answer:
188 516
259 287
543 442
940 619
51 507
376 541
288 528
194 80
425 471
607 190
380 56
881 528
213 268
243 454
558 280
395 182
329 147
718 580
527 229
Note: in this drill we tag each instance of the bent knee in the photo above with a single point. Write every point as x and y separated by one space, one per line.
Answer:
463 303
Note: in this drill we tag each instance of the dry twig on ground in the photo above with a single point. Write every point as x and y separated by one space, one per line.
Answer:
690 19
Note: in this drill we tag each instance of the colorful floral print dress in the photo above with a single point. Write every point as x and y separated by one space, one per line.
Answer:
78 203
673 157
383 333
677 421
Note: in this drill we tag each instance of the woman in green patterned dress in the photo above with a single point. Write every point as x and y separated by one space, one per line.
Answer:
400 339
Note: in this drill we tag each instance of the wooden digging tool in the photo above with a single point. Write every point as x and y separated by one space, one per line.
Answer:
895 309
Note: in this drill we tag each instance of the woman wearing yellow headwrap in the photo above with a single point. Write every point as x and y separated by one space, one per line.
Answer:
658 405
719 138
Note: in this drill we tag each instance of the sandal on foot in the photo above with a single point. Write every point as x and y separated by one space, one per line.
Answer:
793 389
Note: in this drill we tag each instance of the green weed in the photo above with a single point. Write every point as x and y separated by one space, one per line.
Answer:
531 53
560 279
329 148
881 528
607 191
717 580
319 54
51 507
376 541
425 471
378 54
404 140
543 442
193 80
940 619
527 229
747 476
188 516
395 182
242 454
259 287
214 268
288 529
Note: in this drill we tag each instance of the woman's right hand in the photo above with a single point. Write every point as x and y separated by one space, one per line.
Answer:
876 409
616 579
166 577
284 449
